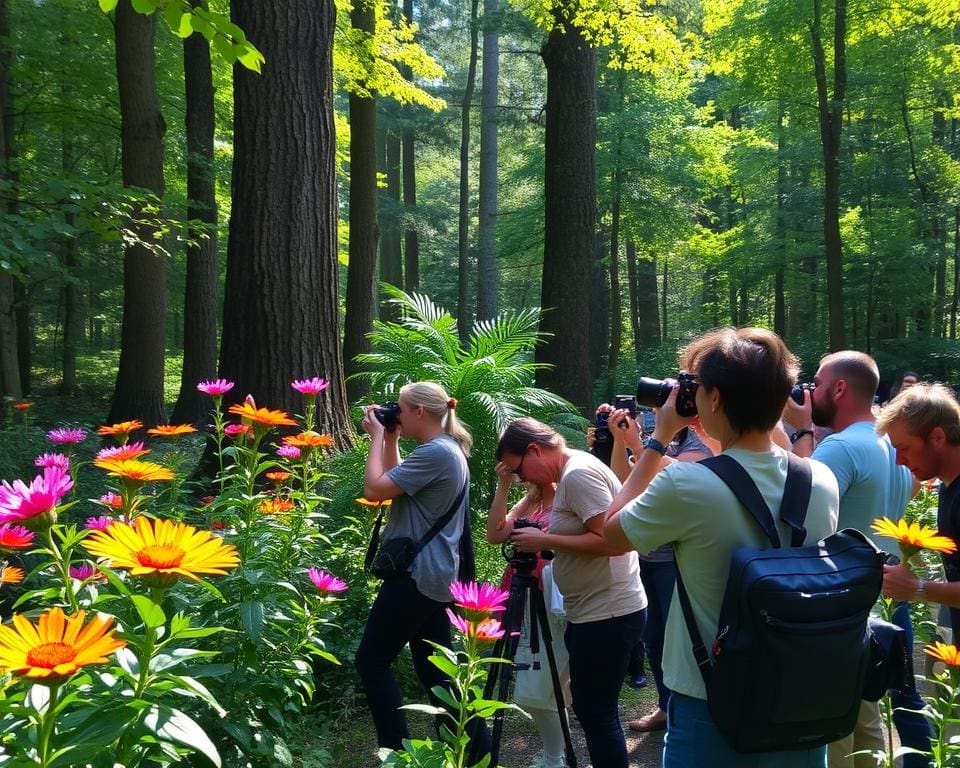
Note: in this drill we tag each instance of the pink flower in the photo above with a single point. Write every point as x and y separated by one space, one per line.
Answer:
112 500
313 386
52 460
124 452
325 582
478 600
288 452
215 388
485 630
67 435
21 502
237 431
85 571
100 523
15 536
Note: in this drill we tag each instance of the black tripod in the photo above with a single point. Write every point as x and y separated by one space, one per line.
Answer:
524 592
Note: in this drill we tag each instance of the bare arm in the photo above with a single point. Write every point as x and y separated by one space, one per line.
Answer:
591 542
384 455
900 583
499 520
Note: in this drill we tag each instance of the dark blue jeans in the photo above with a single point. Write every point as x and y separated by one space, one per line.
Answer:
658 579
914 729
599 654
400 614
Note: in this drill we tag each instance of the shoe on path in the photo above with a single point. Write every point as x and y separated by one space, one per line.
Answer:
549 762
655 721
637 681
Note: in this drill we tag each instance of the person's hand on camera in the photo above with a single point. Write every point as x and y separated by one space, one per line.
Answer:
669 422
529 539
799 416
371 424
625 431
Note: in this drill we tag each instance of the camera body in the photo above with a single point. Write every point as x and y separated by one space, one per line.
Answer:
796 392
626 402
522 561
654 392
602 439
388 415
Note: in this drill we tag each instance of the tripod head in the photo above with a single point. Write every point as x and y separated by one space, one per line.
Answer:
523 562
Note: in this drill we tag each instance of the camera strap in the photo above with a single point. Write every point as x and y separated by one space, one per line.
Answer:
434 529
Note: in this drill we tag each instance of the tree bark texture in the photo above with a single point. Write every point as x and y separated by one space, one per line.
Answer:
139 389
411 238
648 317
463 228
281 316
569 215
616 309
487 198
200 295
391 254
9 358
631 250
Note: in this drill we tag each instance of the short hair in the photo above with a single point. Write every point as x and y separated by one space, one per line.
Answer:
921 408
752 368
912 374
858 370
521 432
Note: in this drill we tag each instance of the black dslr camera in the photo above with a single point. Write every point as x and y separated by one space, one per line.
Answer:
523 561
387 414
654 392
796 393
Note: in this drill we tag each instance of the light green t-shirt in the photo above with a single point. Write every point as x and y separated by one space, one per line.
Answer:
689 505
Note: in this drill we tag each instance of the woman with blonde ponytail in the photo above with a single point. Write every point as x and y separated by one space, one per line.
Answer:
431 482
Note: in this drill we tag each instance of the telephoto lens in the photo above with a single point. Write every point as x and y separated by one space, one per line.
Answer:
653 393
387 414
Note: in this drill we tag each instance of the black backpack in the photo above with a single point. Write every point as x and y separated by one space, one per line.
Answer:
786 670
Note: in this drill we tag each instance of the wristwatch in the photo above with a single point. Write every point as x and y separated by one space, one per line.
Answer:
921 590
798 434
655 445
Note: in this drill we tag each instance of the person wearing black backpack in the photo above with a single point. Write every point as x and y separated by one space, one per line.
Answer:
743 378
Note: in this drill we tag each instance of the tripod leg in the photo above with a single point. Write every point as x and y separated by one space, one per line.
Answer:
541 612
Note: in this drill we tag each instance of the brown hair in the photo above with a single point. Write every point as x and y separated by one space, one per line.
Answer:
525 431
921 408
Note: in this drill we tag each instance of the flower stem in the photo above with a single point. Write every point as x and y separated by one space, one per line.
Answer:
64 570
47 721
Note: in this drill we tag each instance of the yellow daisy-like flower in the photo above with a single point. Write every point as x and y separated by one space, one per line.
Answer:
134 470
264 416
948 654
57 646
161 551
308 439
367 503
278 476
275 506
123 428
171 430
10 574
912 537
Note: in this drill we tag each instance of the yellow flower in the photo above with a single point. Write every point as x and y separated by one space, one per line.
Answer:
948 654
162 550
132 469
913 537
275 506
10 574
57 646
367 503
171 430
308 439
249 412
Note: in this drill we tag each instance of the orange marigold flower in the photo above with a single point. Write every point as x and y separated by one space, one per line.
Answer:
23 406
367 503
57 646
308 439
278 476
912 537
249 412
948 654
10 574
135 470
162 550
171 430
123 428
276 506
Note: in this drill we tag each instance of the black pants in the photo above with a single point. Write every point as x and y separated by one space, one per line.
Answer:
400 614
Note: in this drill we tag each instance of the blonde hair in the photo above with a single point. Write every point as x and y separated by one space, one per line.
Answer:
434 400
923 407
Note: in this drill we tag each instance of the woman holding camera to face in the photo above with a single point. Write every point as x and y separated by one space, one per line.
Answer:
603 598
743 378
409 608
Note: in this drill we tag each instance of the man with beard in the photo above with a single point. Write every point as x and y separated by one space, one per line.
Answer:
871 485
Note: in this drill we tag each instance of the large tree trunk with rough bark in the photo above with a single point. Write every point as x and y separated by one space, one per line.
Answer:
569 215
487 194
463 227
139 389
200 296
281 315
411 239
9 359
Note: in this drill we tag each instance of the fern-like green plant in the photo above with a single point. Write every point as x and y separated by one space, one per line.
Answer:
492 376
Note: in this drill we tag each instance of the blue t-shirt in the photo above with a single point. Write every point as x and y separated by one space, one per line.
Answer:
870 482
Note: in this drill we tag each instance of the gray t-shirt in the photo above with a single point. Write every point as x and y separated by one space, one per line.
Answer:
431 478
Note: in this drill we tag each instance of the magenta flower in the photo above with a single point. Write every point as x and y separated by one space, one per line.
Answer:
288 452
478 600
313 386
485 630
215 388
111 499
52 460
237 430
85 571
100 523
15 537
67 435
34 504
325 582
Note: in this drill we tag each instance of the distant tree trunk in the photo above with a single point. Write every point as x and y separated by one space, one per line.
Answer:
24 333
633 298
599 331
463 229
9 358
411 242
487 196
569 214
830 111
200 295
779 300
391 255
139 388
663 301
362 269
955 305
281 311
648 316
616 304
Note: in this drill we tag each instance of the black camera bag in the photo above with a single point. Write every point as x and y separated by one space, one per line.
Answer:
788 665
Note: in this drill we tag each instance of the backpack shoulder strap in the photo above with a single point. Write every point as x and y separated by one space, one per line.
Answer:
739 481
796 498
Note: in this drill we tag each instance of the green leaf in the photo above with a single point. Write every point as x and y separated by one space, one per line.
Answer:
107 5
251 616
151 613
186 26
425 708
169 660
146 7
173 725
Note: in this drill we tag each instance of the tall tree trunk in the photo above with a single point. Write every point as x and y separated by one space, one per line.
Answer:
830 112
569 214
463 229
633 297
200 295
281 310
779 300
391 255
663 299
10 385
411 241
139 388
362 268
487 196
70 292
616 308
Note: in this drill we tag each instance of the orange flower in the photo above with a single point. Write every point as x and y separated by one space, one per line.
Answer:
278 476
10 574
948 654
275 506
367 503
912 537
23 406
134 470
264 416
122 429
171 430
308 439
